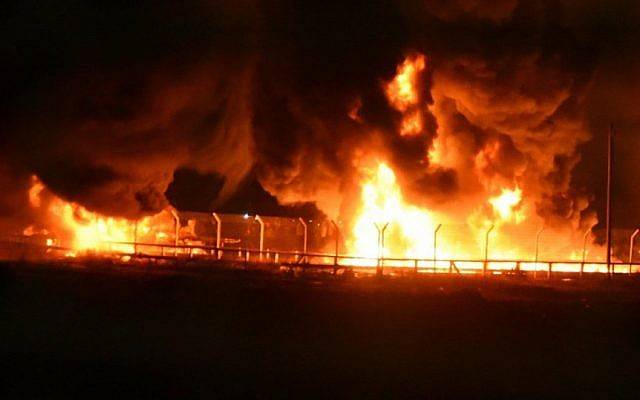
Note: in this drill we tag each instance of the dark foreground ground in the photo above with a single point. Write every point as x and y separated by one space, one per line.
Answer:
77 332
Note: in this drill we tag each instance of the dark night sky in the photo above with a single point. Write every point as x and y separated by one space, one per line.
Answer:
232 104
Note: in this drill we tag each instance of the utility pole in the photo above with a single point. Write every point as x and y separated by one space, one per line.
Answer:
609 199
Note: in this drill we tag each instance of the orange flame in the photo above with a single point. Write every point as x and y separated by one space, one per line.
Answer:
403 94
34 192
84 230
411 124
408 229
402 91
411 231
505 204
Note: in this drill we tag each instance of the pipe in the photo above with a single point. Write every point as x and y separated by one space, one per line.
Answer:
261 222
435 246
486 250
304 243
631 243
216 217
174 213
535 264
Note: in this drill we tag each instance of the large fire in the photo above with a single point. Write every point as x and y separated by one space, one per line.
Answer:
387 226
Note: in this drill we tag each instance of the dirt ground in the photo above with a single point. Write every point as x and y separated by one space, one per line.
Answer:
96 330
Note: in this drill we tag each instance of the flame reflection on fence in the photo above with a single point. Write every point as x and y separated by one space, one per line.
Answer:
295 242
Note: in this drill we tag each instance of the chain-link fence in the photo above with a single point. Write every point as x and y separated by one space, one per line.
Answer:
446 247
504 247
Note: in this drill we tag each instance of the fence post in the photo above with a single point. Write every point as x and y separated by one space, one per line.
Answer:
435 246
380 266
584 251
631 243
218 234
261 222
304 242
177 231
337 233
135 238
486 251
535 264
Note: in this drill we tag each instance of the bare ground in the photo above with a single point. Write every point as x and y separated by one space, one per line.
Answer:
96 329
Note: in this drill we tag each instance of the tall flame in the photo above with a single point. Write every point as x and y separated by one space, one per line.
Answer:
487 227
408 228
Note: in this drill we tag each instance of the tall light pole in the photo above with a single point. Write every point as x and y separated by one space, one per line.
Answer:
609 197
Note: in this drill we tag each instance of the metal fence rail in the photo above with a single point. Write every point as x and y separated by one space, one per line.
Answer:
320 260
296 259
